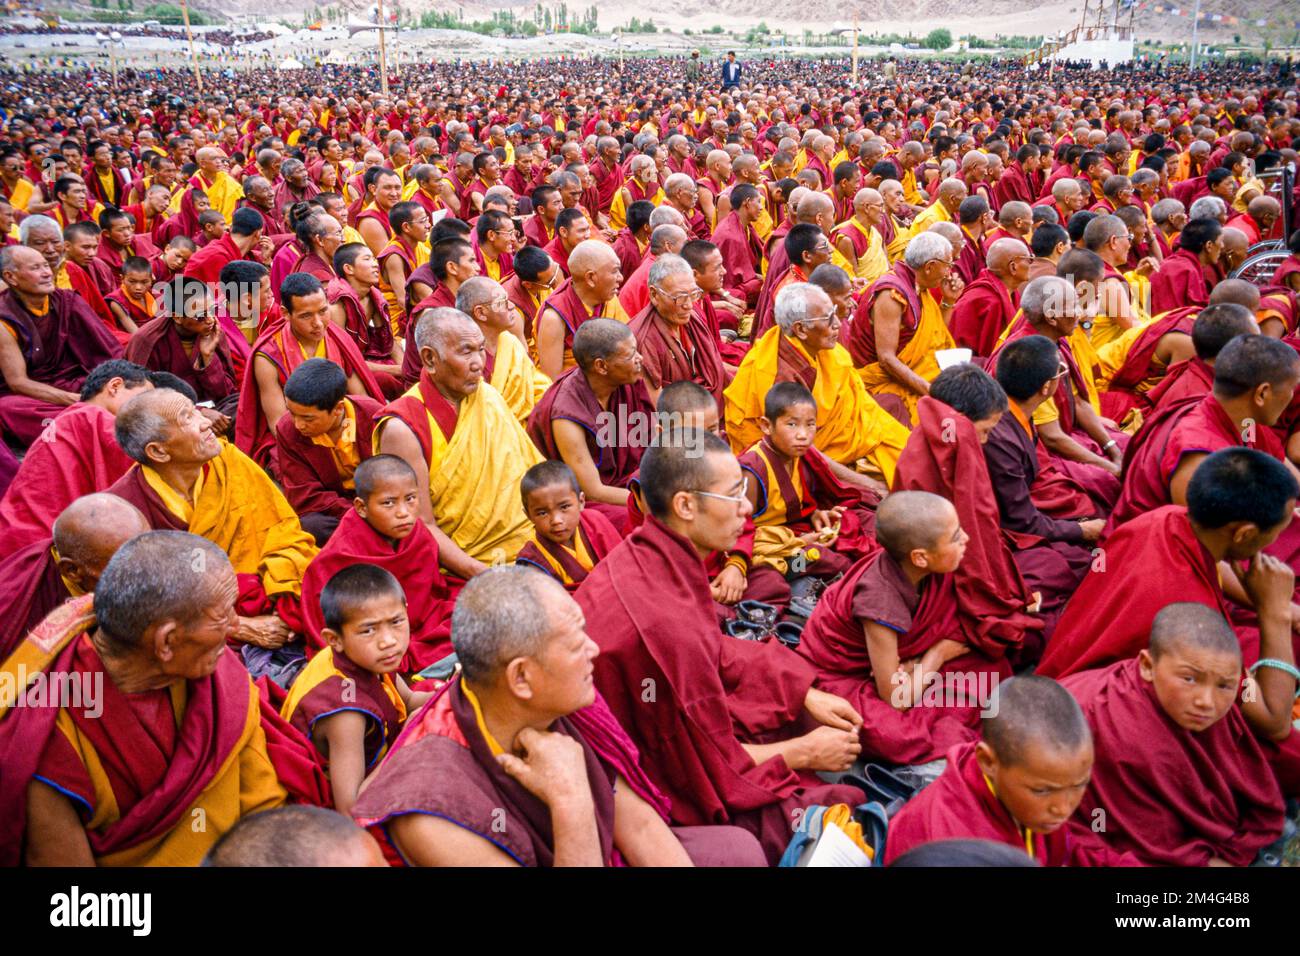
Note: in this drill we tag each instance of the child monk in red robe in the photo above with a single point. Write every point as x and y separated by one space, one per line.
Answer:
384 528
1212 329
1018 786
349 699
1180 779
800 507
889 628
568 539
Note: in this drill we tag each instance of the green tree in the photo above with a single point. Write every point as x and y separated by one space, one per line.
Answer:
939 39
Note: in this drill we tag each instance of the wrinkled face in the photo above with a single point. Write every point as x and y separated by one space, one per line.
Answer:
30 273
606 278
388 191
495 313
190 438
1196 687
457 367
308 315
1044 788
376 634
563 679
571 194
674 297
198 644
554 512
623 367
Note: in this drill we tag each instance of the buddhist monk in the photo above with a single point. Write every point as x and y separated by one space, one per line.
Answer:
131 302
76 455
714 716
357 306
737 239
803 346
52 342
410 227
1185 277
245 240
674 342
296 836
665 239
1019 786
987 305
1238 502
535 276
507 366
177 734
568 538
1212 329
858 238
451 262
590 292
1204 794
465 445
1115 308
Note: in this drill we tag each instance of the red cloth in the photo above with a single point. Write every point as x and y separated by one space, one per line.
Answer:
635 293
1193 378
184 223
308 473
983 311
414 562
960 806
439 298
77 455
1171 797
30 588
860 337
207 263
599 537
158 346
1180 281
1137 364
991 594
742 255
665 358
1013 186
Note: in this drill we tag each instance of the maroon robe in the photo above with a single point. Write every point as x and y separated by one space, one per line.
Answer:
30 588
1013 186
860 339
629 252
599 537
439 298
158 346
374 341
1180 281
742 255
984 310
1190 379
207 263
1122 394
356 690
309 475
672 355
184 223
106 267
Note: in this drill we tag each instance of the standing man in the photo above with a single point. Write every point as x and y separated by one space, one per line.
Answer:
730 72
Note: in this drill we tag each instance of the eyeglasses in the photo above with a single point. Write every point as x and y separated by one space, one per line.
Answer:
694 295
739 499
1061 371
814 319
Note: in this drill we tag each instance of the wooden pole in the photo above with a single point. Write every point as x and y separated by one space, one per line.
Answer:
1196 19
383 50
194 60
855 48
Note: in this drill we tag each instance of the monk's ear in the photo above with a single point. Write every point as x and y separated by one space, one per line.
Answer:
428 357
518 677
333 638
764 426
919 557
582 501
165 638
1245 532
70 570
157 453
1146 665
986 758
683 505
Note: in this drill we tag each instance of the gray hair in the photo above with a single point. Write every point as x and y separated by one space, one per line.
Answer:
140 423
1039 294
926 247
666 215
664 236
668 265
793 303
433 324
640 161
291 166
36 223
1165 209
474 292
1208 207
676 181
497 619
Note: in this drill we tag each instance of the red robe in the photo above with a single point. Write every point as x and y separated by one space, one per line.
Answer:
207 263
158 346
30 588
1193 378
599 537
669 355
1122 394
1172 797
742 255
439 298
985 308
309 475
1180 281
1013 186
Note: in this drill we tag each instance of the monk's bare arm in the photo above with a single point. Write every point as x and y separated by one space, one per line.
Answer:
550 343
845 246
344 736
1055 438
269 391
1115 303
55 835
431 841
707 206
396 277
14 369
571 439
882 649
641 834
1182 477
397 439
122 319
856 479
374 236
1270 584
355 386
338 316
887 321
1092 426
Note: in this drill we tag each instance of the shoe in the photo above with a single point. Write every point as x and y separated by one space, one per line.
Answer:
745 630
789 633
757 612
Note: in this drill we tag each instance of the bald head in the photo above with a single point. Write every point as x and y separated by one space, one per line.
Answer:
813 206
666 215
866 197
479 290
89 532
592 254
908 521
296 836
663 240
1236 292
1031 713
1002 253
1187 626
435 328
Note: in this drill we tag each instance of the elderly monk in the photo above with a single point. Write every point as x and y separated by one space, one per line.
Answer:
1204 794
189 480
858 239
1115 309
466 446
673 339
809 208
178 736
900 323
304 332
65 564
986 306
1238 502
523 732
715 718
1258 219
296 836
665 239
742 249
1186 276
803 346
640 185
590 292
1213 328
507 366
951 194
76 455
50 343
219 186
597 417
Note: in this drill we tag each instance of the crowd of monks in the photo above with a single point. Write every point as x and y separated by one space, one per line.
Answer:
567 465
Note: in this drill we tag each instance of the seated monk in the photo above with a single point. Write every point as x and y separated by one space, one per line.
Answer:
806 249
590 292
506 363
118 241
1185 277
597 418
179 735
858 239
1238 502
571 227
893 337
350 699
988 305
1255 378
77 455
887 631
522 731
535 275
1079 441
382 528
187 479
81 240
131 302
52 342
245 240
190 342
1115 307
716 307
357 307
802 512
451 262
66 564
674 342
803 347
1202 793
1017 786
245 306
667 238
568 538
1212 329
466 447
494 239
305 332
737 239
296 835
720 731
398 259
322 437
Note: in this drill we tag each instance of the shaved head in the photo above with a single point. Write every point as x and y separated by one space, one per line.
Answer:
1186 626
1033 712
1002 252
908 521
92 528
591 254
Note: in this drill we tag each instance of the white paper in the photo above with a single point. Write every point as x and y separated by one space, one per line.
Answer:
836 849
950 357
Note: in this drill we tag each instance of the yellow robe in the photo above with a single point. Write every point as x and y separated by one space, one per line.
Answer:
520 382
850 424
873 263
918 354
322 667
618 207
223 195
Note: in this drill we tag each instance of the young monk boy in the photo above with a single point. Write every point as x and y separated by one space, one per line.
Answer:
1019 785
383 528
1180 778
349 699
889 628
568 539
132 303
800 507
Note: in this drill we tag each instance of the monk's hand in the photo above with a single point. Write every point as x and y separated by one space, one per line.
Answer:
828 519
265 630
208 342
729 586
952 288
831 710
220 423
1270 583
1092 528
731 305
1147 266
265 250
828 749
553 767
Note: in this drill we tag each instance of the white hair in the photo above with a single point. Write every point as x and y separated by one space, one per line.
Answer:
794 301
667 265
33 223
926 247
1042 292
1165 209
676 181
1208 207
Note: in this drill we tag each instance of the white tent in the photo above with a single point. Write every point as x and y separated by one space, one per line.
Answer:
337 57
290 64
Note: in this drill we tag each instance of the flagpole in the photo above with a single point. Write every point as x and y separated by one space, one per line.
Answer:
1196 19
383 50
855 48
185 12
